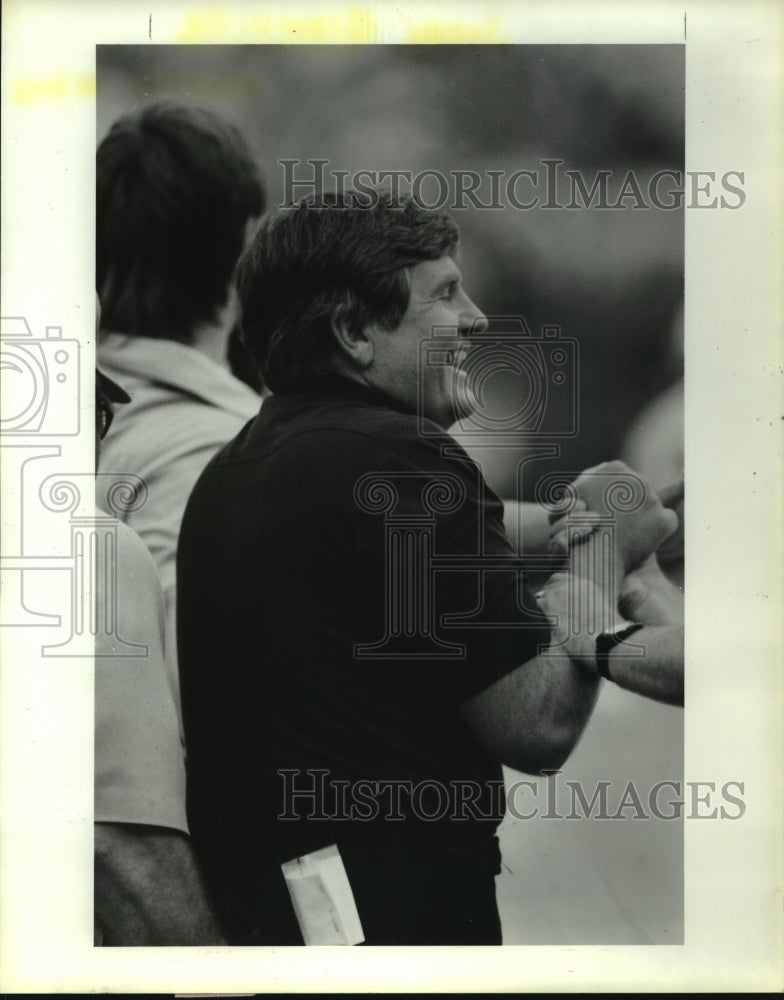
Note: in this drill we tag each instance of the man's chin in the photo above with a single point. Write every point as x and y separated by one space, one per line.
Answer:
452 404
461 407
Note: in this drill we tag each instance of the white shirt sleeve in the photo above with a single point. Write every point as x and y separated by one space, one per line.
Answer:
139 757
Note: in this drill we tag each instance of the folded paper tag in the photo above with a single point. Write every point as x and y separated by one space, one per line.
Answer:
322 898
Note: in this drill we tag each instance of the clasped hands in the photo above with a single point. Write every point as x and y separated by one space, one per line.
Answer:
608 583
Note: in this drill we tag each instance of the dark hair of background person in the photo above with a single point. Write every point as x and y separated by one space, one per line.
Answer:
330 256
175 188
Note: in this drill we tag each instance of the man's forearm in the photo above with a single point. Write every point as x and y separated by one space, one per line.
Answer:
532 718
527 527
561 696
148 889
657 672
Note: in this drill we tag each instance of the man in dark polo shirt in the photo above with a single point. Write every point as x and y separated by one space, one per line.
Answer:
351 681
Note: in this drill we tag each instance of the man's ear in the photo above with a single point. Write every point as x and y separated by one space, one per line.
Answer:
354 344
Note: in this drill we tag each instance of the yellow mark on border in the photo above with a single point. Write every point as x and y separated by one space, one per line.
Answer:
443 32
352 24
27 90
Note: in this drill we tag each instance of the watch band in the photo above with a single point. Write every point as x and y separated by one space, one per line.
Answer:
607 641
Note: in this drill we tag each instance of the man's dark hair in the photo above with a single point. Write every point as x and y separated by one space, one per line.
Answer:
175 186
330 256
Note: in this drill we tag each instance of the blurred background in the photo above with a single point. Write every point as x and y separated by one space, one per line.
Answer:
612 280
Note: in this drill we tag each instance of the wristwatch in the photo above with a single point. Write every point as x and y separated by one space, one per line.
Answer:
607 641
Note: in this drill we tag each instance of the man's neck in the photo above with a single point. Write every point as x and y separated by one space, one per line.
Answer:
211 337
212 340
336 367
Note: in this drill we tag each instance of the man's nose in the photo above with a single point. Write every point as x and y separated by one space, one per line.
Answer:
472 319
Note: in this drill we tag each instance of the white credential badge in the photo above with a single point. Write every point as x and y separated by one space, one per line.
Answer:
322 898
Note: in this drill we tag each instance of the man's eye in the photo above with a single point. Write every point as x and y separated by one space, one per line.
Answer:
449 291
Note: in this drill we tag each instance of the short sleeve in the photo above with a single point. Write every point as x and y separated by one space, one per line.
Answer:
427 520
139 758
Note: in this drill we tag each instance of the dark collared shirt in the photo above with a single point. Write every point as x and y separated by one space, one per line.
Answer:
344 584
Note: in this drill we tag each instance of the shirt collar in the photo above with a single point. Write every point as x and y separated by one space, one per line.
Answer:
177 366
342 387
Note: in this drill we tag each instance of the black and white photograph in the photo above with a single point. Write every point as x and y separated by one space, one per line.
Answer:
386 492
328 703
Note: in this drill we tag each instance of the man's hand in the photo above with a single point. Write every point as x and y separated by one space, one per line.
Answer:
671 551
647 596
578 610
575 606
560 538
638 531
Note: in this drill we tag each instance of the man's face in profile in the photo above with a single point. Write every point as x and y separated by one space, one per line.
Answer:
437 300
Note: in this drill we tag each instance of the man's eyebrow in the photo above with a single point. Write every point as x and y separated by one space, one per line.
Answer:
451 279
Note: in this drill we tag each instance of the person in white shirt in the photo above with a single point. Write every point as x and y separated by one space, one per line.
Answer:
148 889
177 191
